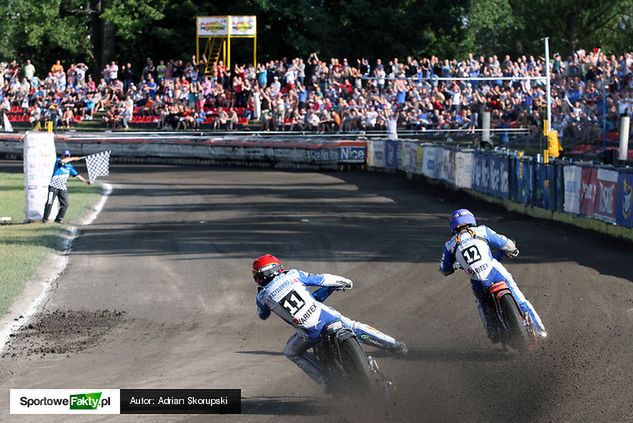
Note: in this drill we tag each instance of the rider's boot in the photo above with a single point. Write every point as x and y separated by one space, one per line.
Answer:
399 348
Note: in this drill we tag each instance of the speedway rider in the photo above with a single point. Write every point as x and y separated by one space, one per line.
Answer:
285 294
469 247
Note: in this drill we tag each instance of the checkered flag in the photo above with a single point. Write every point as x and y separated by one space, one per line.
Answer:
59 181
98 165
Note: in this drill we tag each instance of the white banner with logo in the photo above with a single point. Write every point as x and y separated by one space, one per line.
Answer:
243 26
409 157
572 176
429 161
464 169
39 163
64 401
212 26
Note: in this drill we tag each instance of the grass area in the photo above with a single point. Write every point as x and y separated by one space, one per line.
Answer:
23 247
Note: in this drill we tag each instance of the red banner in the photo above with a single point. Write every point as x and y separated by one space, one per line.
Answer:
606 195
588 190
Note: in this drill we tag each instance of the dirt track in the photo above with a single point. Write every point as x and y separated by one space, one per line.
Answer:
158 294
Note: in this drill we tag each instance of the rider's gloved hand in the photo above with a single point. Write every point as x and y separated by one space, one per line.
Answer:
513 253
346 284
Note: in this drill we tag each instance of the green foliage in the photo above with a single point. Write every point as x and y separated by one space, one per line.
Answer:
490 24
45 27
132 17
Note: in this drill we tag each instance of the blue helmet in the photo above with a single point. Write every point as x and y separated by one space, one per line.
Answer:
462 217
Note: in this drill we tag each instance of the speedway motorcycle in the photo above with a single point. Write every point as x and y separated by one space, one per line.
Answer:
343 358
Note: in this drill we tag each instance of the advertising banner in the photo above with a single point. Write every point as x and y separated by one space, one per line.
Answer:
379 154
572 176
409 157
498 185
464 169
504 180
478 165
605 207
524 173
212 26
624 204
559 189
444 170
544 196
419 166
588 190
428 168
391 154
370 154
243 26
351 154
39 162
449 166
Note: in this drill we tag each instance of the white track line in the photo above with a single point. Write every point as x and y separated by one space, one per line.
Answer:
57 266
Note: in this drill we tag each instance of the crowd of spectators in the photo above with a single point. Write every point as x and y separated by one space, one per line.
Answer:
589 90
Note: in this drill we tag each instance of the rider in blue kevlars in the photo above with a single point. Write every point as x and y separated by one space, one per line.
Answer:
285 294
470 248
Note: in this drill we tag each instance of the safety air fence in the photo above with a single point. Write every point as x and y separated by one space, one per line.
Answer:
567 189
561 190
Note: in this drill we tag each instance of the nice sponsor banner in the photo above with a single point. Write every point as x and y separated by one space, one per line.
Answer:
572 176
125 401
606 188
352 153
624 204
588 190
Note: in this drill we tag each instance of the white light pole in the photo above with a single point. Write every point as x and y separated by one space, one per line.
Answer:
548 87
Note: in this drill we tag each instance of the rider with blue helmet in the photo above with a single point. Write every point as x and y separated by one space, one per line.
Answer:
471 247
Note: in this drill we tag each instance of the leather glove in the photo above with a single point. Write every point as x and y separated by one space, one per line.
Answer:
513 254
348 284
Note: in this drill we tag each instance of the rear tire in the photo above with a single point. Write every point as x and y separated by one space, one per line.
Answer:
518 334
357 365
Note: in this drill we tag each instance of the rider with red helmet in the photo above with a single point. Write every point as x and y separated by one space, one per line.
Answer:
470 249
285 293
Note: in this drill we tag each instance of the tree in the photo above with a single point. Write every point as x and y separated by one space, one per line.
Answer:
45 29
489 27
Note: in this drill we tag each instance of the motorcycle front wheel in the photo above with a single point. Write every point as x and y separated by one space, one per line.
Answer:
357 365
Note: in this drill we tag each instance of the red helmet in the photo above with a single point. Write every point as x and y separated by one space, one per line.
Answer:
265 268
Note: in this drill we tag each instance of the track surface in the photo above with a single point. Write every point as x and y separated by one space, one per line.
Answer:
158 294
